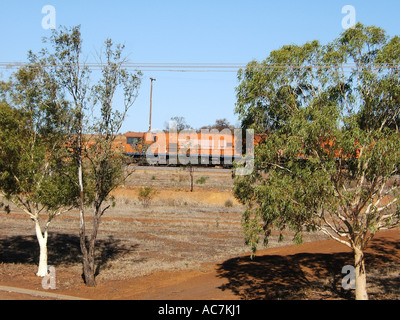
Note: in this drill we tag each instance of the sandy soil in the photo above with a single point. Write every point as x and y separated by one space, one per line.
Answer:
187 245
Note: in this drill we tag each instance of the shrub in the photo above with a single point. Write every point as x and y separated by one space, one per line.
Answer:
202 180
146 194
228 203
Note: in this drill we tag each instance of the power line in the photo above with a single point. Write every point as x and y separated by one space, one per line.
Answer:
214 67
190 67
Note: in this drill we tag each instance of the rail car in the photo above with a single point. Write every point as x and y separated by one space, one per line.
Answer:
204 149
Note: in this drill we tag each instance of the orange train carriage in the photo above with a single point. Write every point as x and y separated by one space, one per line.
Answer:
210 148
222 148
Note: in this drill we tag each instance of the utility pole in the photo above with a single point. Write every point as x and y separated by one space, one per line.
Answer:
151 101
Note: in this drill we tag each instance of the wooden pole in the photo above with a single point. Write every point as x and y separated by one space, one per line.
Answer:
151 101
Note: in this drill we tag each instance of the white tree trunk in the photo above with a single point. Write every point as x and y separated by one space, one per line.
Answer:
42 239
361 277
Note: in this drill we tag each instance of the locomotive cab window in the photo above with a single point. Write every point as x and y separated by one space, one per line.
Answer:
132 140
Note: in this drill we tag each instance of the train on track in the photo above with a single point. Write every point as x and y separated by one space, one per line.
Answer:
198 148
208 148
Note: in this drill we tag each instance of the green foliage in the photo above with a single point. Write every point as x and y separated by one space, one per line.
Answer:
333 138
58 131
34 172
228 203
96 124
146 194
96 121
202 180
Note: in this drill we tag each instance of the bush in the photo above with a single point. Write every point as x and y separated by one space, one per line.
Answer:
202 180
146 194
228 203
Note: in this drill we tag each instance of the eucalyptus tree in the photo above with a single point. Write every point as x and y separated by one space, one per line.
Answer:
34 166
105 168
330 159
97 123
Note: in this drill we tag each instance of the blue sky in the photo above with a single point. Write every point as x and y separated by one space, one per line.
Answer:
187 31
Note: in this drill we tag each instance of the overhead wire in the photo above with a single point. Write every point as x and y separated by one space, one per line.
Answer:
211 67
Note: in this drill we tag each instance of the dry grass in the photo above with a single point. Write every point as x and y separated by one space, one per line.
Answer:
179 230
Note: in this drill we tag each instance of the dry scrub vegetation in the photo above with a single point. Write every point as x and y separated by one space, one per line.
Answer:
176 230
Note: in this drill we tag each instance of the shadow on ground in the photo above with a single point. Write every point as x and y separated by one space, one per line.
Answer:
308 275
63 249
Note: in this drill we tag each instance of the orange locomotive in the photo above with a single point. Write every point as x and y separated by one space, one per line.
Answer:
203 148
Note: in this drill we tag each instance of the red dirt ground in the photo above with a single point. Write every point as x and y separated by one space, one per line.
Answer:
197 228
308 271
